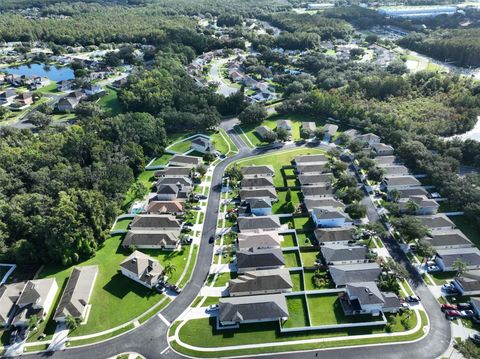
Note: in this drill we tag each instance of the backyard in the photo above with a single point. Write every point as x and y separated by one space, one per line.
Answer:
298 312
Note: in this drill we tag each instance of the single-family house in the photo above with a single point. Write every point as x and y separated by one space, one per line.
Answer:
174 172
67 104
382 161
152 239
395 170
269 192
259 223
263 132
318 168
310 160
407 192
354 273
267 281
366 298
309 127
368 138
9 294
337 235
390 183
259 206
120 82
172 192
468 283
315 179
77 293
165 207
155 222
24 99
36 299
351 134
311 202
92 90
179 181
185 161
452 238
64 85
202 144
253 259
445 258
7 96
381 149
256 182
285 124
142 269
337 254
317 191
437 222
329 131
258 171
329 217
252 309
262 239
420 205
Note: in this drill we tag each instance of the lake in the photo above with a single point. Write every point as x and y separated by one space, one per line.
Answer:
53 73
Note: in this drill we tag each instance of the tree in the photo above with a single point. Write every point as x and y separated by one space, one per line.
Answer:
412 207
356 210
201 170
39 119
209 157
394 195
467 348
169 269
345 180
72 322
270 137
425 249
252 114
459 266
409 228
138 190
398 269
375 174
282 134
234 172
288 195
305 133
350 195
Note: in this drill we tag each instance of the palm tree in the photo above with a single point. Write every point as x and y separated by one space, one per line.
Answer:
33 322
394 195
169 269
411 206
72 322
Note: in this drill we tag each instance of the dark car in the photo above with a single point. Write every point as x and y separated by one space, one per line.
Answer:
450 314
175 289
211 239
475 338
202 196
412 299
159 288
13 336
464 306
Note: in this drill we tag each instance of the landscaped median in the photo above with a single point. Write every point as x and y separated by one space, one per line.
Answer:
262 338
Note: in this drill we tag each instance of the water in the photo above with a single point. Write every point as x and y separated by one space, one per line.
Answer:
53 73
473 134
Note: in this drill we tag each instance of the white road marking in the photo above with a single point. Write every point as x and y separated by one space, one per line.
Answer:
163 319
164 351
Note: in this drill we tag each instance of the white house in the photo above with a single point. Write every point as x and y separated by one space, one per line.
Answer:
260 206
202 145
142 269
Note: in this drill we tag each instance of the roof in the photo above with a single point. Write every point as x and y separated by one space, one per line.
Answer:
351 133
252 308
186 160
325 235
401 181
147 269
263 130
421 201
256 182
258 223
164 207
36 291
305 159
311 203
178 181
368 137
329 213
202 141
354 273
386 160
452 237
77 292
317 190
339 252
173 171
471 256
257 170
330 129
395 170
309 126
262 202
436 221
317 168
367 293
151 238
257 258
259 193
310 179
284 123
380 147
155 221
264 239
263 280
9 294
470 280
413 191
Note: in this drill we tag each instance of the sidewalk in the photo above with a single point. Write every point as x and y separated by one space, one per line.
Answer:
60 337
212 291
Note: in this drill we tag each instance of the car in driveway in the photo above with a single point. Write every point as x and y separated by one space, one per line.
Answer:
13 336
475 338
464 306
212 308
467 313
448 306
412 299
452 314
433 269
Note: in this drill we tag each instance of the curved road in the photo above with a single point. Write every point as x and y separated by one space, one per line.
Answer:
150 339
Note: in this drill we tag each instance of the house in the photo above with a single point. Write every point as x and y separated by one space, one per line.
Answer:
202 145
262 239
260 223
310 203
236 76
329 131
468 283
258 171
269 192
336 254
92 90
386 161
142 269
437 222
78 95
155 222
174 172
422 205
152 239
445 258
252 309
309 127
36 299
398 170
407 192
354 273
172 192
267 281
263 132
9 294
256 182
381 149
179 181
326 217
390 183
185 161
475 302
24 99
310 160
366 298
77 293
334 235
317 191
452 238
315 179
368 138
259 206
318 168
351 134
120 82
165 207
253 259
67 104
7 96
285 124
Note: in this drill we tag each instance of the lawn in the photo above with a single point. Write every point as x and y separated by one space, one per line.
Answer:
181 147
298 312
292 259
284 207
110 102
63 117
309 257
277 160
308 276
162 161
122 224
221 144
306 238
289 240
146 178
442 277
297 280
468 227
223 278
115 299
51 88
303 223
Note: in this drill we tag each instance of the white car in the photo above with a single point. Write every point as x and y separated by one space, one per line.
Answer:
212 308
433 269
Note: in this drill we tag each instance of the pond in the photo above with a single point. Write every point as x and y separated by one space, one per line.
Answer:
53 73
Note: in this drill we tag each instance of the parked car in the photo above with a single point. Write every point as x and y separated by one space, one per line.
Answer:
467 313
211 239
430 263
448 306
23 334
197 208
452 291
450 314
13 336
475 338
433 269
175 289
412 299
212 308
447 286
159 288
464 306
202 196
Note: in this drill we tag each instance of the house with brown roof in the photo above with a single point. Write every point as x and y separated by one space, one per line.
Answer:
262 239
142 269
165 207
185 161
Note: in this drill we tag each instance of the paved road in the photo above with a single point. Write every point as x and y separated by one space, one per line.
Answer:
150 339
215 73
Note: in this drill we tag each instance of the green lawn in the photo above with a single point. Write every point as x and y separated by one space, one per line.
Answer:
441 278
181 147
289 240
277 160
146 178
223 278
221 143
468 227
297 280
284 207
110 102
308 276
161 161
292 259
303 223
116 299
306 238
122 224
51 88
298 312
63 117
308 258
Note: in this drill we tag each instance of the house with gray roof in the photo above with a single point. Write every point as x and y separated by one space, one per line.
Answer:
452 238
263 239
381 149
259 206
142 269
315 179
310 159
354 273
263 131
334 235
252 309
202 145
285 124
468 283
256 182
423 205
407 192
309 127
269 192
155 222
152 239
399 182
9 294
253 259
185 161
396 170
172 192
318 168
368 138
77 293
337 254
258 223
267 281
317 191
179 181
329 217
174 172
382 161
312 202
445 258
366 298
437 222
258 171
